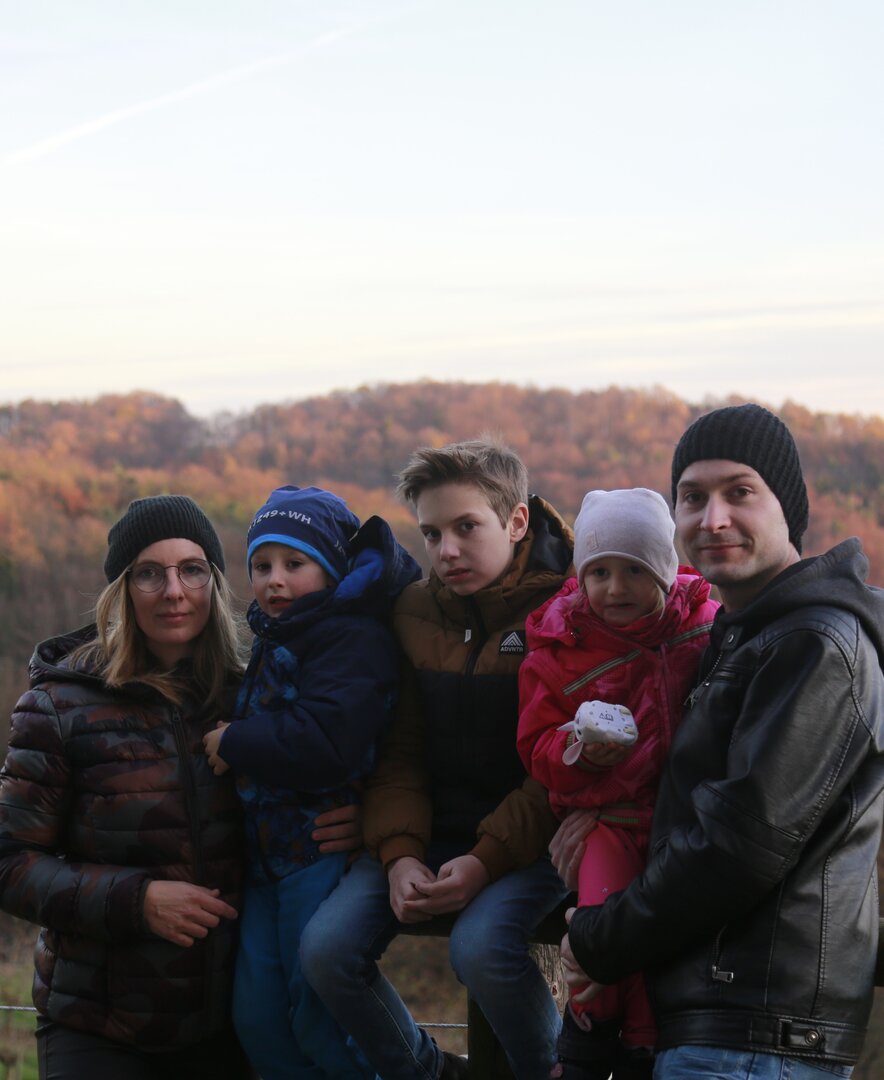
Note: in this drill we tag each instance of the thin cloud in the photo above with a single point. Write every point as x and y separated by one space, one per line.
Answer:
47 146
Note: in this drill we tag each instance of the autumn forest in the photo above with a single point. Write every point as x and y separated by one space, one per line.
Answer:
69 468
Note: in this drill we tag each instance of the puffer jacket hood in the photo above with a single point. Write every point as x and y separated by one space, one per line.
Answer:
51 658
562 616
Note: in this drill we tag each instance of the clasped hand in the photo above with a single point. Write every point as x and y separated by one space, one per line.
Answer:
417 894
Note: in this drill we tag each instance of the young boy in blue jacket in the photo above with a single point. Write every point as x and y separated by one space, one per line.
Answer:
318 692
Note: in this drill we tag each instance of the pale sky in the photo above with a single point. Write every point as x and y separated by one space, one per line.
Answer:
243 201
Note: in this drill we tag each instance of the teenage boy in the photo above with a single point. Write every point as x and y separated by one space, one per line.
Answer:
452 822
757 916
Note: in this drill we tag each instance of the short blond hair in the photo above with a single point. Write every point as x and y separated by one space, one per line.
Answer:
491 466
119 653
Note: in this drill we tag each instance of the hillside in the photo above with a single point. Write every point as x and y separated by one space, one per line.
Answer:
69 468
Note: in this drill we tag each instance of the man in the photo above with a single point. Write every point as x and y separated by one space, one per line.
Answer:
756 919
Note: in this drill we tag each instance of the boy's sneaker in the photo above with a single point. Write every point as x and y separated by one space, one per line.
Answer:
455 1067
586 1055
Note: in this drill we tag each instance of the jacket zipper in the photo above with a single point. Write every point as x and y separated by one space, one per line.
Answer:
691 700
627 658
481 636
190 799
476 642
188 780
602 669
718 973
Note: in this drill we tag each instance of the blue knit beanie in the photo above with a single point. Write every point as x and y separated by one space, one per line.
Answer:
310 520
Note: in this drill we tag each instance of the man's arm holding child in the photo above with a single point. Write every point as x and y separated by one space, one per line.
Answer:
747 836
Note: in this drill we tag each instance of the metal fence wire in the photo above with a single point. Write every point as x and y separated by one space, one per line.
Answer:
422 1023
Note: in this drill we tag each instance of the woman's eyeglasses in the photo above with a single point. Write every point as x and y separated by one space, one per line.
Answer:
151 577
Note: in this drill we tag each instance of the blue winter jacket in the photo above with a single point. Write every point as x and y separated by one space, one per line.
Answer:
318 693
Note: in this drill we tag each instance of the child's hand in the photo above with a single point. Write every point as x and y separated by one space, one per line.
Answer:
604 755
211 742
408 878
457 882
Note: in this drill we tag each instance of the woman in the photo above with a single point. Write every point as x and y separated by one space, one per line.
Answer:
115 835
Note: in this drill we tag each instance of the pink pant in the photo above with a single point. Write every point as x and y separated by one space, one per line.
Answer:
611 859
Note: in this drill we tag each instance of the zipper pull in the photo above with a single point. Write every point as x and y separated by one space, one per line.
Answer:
722 976
467 634
691 699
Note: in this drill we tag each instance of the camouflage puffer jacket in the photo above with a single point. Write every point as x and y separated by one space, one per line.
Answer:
103 791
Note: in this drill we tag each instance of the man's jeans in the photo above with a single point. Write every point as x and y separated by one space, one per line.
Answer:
718 1063
488 946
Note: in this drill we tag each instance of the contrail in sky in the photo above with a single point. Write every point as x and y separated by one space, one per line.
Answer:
204 86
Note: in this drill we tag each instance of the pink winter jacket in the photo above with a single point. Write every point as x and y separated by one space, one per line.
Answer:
649 667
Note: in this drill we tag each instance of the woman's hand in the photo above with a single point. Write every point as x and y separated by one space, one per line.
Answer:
566 847
181 912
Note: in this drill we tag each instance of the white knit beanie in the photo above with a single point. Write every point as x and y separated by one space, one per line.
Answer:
635 524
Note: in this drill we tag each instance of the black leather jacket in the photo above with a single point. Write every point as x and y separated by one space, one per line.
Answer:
756 920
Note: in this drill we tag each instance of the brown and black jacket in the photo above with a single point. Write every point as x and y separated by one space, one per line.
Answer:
103 791
449 770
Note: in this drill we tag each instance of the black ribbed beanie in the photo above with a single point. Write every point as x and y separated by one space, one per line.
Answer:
755 437
159 517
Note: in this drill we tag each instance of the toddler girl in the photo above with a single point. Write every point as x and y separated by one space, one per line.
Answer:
627 631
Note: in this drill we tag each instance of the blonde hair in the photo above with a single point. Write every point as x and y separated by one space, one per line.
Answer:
491 466
120 654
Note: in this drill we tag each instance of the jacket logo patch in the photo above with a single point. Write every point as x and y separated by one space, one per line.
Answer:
514 642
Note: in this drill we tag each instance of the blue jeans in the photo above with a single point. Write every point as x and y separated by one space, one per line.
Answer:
285 1029
719 1063
489 953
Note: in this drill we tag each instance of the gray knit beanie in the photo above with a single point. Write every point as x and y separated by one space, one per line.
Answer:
634 524
753 436
159 517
